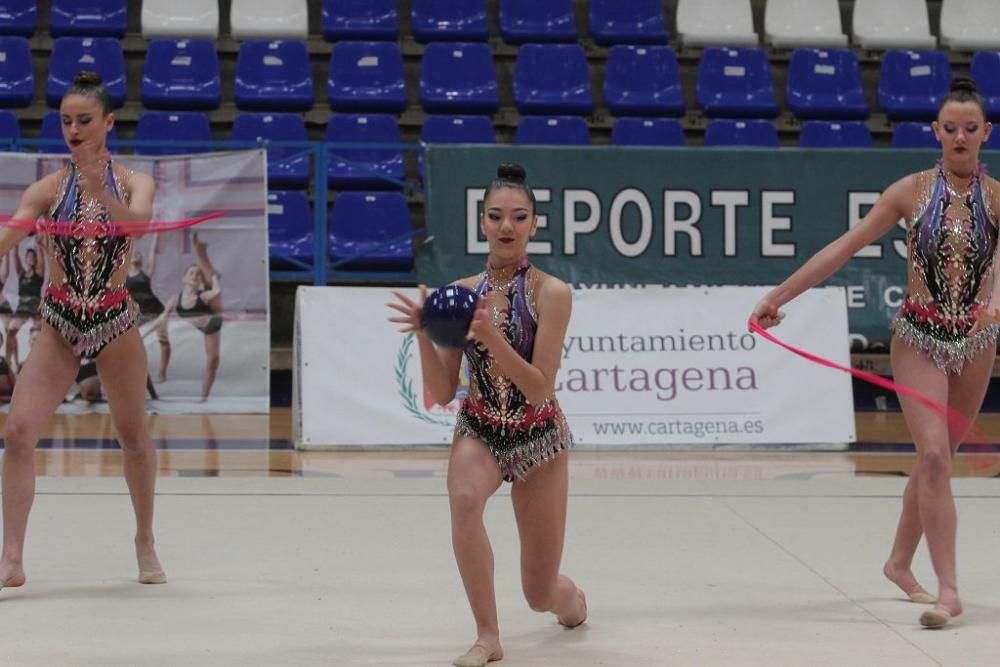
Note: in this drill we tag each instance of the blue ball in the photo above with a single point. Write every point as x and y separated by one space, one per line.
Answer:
447 315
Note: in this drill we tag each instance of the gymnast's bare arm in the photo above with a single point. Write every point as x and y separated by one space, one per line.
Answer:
895 203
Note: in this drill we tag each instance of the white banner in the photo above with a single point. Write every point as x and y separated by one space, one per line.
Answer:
203 357
642 367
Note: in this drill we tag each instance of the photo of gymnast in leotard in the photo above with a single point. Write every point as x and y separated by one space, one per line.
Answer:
30 280
200 304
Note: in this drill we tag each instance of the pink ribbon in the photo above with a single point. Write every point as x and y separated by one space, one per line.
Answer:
957 422
120 228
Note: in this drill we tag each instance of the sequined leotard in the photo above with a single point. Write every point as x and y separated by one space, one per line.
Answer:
519 434
88 303
951 242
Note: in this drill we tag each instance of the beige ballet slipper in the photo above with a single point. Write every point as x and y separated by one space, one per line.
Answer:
938 617
920 596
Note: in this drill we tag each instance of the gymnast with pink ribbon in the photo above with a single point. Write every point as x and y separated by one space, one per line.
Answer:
90 210
945 334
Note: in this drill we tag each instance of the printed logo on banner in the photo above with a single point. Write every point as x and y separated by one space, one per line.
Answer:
420 404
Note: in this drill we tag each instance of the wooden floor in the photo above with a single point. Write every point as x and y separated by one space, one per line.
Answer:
260 446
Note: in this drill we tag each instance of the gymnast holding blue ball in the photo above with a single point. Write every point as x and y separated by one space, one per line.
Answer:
509 323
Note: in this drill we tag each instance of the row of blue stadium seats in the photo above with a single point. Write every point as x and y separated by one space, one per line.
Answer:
180 132
177 132
382 167
521 21
461 78
85 18
645 80
573 131
385 246
189 131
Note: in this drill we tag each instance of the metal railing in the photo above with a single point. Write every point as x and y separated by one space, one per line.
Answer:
322 269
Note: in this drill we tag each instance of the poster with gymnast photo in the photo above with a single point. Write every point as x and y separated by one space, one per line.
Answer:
202 291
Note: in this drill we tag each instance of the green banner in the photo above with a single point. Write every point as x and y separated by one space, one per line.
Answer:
680 216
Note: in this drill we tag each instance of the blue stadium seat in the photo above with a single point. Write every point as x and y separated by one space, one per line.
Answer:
553 131
912 83
825 83
366 76
287 167
374 20
374 228
914 135
18 17
174 126
741 132
835 134
181 74
985 70
364 168
17 73
289 229
52 133
458 78
736 82
449 20
274 76
994 142
552 79
632 22
455 130
647 132
643 81
9 128
70 55
89 18
524 21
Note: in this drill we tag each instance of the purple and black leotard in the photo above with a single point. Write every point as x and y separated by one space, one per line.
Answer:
87 300
951 242
519 434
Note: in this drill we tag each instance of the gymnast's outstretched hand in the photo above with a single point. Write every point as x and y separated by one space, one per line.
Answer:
409 310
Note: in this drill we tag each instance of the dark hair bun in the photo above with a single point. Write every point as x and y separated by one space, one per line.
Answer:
509 171
962 84
87 79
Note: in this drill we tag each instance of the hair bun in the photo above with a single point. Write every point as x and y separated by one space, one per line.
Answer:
87 78
963 84
511 172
